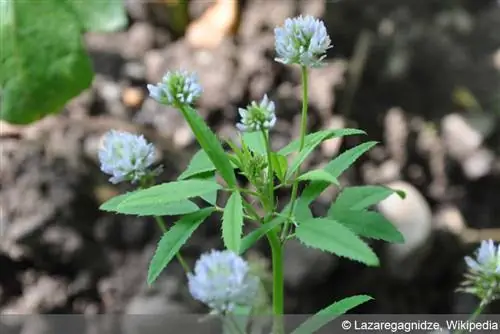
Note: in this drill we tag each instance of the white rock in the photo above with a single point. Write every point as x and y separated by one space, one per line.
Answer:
412 216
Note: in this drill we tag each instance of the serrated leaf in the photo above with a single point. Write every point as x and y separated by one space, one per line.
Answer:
232 222
368 224
43 62
99 15
111 205
313 137
280 165
211 145
360 197
328 235
336 167
251 238
313 141
200 163
210 198
255 142
172 241
329 313
167 193
318 175
166 209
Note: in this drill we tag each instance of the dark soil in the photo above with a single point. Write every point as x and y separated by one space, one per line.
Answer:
60 254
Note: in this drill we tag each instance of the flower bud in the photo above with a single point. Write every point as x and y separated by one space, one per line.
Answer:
177 88
257 117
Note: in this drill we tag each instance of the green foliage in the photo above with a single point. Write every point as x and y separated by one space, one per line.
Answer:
200 164
210 144
280 165
329 313
251 238
255 142
172 241
319 175
336 167
232 222
43 63
349 210
111 205
328 235
323 135
361 197
368 224
166 194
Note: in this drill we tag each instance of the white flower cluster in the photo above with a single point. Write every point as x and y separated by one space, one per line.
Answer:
483 276
487 260
257 117
222 281
125 156
176 88
302 40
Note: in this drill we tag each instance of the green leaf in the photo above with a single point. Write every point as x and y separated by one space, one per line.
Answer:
313 141
251 238
172 241
211 145
328 235
319 175
111 205
360 197
280 165
313 137
153 209
368 224
336 167
210 198
43 63
99 15
232 222
255 141
329 313
200 163
166 193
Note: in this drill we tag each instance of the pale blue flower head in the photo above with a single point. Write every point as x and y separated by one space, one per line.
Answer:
302 40
176 88
483 276
125 156
222 280
487 258
257 116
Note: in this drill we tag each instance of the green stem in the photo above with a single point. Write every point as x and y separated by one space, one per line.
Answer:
163 228
278 281
270 185
303 129
477 312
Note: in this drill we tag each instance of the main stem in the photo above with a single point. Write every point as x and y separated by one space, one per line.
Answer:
477 312
303 130
278 281
270 185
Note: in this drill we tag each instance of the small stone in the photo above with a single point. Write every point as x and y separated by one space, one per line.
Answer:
133 97
451 219
140 39
478 164
460 138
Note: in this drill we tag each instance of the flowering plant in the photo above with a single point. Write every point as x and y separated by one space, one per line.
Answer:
222 279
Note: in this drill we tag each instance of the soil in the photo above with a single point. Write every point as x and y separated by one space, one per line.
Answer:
394 72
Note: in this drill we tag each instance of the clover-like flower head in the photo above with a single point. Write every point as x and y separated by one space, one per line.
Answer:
302 40
483 276
125 156
222 280
487 258
176 88
257 117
